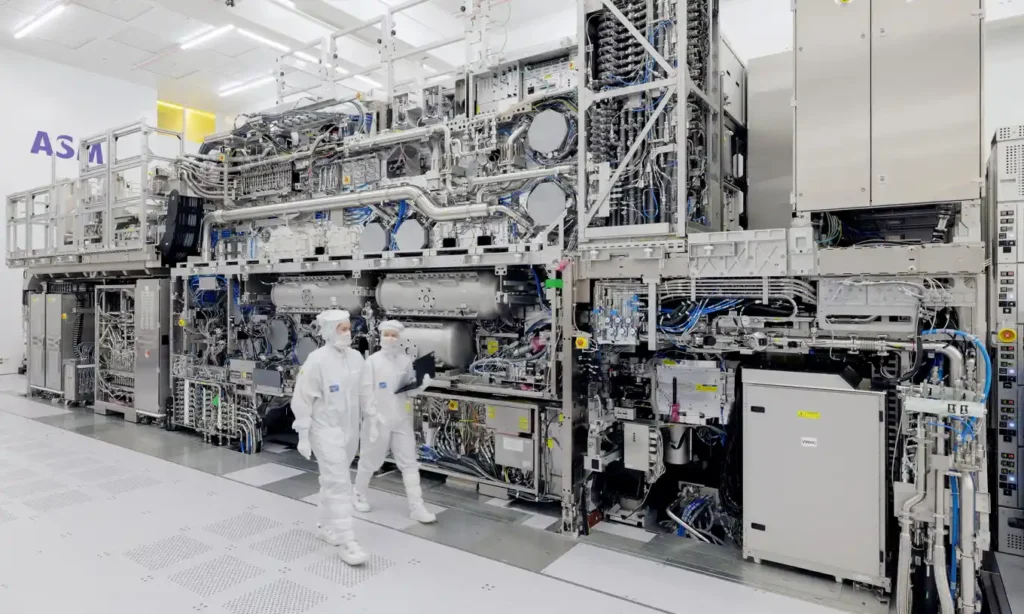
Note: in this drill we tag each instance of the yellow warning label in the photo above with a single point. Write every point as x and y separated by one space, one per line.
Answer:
492 346
561 418
582 343
408 407
63 316
551 444
706 388
809 415
35 299
181 322
490 412
524 423
453 405
668 362
346 180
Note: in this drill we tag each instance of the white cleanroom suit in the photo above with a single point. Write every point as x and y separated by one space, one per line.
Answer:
388 421
326 404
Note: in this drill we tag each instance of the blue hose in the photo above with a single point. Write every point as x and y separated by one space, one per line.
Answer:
977 344
954 533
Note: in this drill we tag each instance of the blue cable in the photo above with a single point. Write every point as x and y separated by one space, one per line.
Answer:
540 293
954 533
977 344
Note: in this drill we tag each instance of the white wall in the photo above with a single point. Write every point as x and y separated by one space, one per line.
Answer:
37 95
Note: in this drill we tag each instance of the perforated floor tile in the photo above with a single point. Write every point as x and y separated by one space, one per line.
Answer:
27 489
290 545
98 474
217 575
280 597
167 552
58 500
128 484
73 462
6 516
335 570
9 476
241 526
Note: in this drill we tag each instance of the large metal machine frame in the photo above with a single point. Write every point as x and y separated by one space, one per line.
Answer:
565 232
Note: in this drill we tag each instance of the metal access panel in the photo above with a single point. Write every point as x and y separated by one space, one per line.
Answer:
37 340
833 105
152 349
60 343
926 101
1011 531
814 460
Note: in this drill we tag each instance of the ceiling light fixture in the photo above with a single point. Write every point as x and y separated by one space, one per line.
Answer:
302 55
429 68
206 36
341 70
169 105
367 81
234 89
40 20
287 3
265 41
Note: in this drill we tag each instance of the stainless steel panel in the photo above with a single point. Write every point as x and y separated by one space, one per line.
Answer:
320 294
770 141
152 356
451 342
636 440
509 419
833 112
813 460
473 295
926 100
37 340
60 324
734 82
511 451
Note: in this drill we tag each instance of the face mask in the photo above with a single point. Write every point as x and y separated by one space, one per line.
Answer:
389 345
343 340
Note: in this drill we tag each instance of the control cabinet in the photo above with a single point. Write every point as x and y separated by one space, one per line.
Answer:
1006 205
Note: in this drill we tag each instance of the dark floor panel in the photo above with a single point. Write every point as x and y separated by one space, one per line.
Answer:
217 461
296 487
521 546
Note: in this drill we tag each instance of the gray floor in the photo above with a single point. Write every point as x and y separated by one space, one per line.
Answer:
521 535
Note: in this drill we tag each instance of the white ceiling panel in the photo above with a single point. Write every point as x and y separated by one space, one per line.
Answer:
279 19
175 67
106 51
231 45
260 56
10 19
141 39
221 66
125 10
77 26
168 24
28 6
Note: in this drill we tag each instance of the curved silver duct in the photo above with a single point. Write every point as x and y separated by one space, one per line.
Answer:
421 201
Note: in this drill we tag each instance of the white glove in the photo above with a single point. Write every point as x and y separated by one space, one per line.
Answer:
426 382
304 448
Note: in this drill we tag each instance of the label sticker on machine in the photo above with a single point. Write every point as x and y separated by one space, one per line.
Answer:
512 444
492 347
524 423
336 387
453 405
63 316
809 442
808 415
706 388
551 443
490 412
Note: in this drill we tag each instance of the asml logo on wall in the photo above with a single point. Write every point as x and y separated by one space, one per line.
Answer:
66 149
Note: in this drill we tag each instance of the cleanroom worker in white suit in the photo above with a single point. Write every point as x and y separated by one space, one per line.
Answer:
326 404
388 421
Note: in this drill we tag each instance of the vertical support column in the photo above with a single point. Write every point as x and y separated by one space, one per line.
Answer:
570 413
583 100
144 155
108 222
387 52
279 79
682 116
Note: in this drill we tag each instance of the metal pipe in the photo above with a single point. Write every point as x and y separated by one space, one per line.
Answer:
420 200
906 520
565 169
967 588
939 546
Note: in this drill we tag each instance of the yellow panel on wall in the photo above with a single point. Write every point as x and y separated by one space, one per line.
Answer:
170 116
199 125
